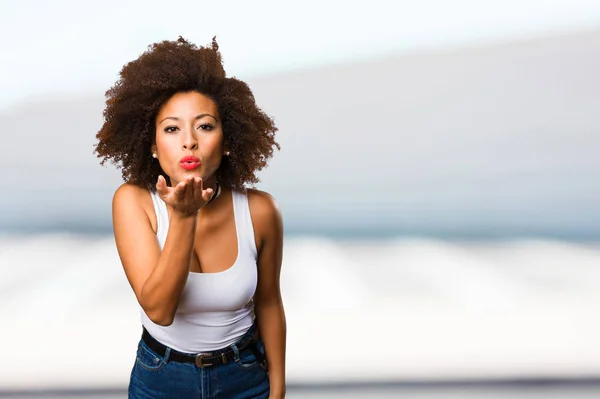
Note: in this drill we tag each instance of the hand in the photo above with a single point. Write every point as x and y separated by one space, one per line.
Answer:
187 197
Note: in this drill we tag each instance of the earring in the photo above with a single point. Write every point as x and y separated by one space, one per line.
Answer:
154 155
226 153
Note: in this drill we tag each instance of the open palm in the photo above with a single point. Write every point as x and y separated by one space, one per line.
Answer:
187 197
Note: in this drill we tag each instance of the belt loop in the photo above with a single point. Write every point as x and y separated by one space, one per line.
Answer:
167 355
236 352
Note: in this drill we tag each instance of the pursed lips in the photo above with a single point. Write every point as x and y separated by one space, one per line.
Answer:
189 162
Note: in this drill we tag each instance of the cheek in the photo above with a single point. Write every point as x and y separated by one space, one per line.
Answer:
167 150
213 146
165 145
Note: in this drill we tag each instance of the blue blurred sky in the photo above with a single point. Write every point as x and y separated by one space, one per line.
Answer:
483 115
80 46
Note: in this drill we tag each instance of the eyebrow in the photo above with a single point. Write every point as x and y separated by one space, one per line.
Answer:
196 118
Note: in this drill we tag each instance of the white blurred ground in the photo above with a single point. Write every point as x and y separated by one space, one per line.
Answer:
391 393
393 310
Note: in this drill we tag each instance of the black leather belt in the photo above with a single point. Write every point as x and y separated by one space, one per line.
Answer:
201 359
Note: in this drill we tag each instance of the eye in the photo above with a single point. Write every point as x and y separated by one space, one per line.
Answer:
206 126
170 129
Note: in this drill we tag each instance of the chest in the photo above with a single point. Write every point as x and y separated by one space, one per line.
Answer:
216 245
226 291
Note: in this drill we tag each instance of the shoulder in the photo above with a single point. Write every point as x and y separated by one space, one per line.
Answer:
265 212
128 193
262 204
130 199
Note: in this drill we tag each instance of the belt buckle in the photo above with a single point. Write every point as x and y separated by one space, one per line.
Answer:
200 360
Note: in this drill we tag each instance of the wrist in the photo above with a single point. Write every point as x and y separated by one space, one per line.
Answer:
277 392
183 216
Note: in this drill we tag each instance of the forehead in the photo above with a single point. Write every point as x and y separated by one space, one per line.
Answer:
188 104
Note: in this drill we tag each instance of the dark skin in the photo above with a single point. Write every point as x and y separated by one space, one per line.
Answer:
201 236
175 67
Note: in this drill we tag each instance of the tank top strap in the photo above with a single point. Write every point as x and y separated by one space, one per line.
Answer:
243 222
162 218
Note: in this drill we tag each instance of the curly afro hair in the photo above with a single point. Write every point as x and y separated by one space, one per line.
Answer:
145 84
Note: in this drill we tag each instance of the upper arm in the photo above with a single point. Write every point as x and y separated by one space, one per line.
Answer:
267 220
136 241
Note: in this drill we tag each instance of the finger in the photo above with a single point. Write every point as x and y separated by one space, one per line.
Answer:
162 188
179 191
161 185
189 188
197 189
207 194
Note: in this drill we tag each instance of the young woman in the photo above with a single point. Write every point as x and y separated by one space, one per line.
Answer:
202 253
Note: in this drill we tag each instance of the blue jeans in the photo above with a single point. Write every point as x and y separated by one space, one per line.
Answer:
154 376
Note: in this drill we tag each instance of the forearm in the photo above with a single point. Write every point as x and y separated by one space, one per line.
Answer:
272 326
163 288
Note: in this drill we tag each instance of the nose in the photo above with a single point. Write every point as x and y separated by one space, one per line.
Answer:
189 141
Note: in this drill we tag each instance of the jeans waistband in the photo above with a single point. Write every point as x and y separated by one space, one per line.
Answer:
219 355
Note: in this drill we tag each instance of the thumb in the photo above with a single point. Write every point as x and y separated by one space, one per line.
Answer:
161 185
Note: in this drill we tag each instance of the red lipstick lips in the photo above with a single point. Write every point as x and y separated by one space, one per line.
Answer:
189 162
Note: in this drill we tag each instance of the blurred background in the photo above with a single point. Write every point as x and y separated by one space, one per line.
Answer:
437 176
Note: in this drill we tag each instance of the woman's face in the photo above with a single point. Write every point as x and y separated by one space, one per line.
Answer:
188 125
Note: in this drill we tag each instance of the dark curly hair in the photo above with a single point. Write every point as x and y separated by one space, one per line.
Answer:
145 84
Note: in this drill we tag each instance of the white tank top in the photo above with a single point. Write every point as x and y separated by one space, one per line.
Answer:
215 309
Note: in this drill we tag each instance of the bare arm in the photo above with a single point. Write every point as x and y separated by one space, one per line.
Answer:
157 277
269 309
